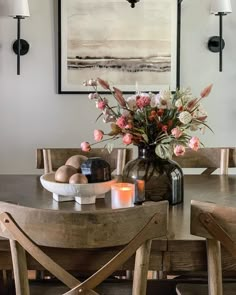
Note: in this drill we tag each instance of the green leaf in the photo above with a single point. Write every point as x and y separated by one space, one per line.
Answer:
164 151
145 137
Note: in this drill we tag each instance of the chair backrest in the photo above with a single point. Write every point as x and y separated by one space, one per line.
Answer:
218 225
50 159
133 228
208 158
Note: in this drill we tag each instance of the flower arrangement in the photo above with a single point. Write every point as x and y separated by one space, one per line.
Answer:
162 120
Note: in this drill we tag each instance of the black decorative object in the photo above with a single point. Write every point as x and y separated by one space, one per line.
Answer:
163 179
133 2
96 170
214 44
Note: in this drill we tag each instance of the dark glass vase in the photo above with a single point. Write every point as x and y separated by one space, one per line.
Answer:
162 179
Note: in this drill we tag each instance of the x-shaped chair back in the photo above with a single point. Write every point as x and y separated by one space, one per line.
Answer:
133 228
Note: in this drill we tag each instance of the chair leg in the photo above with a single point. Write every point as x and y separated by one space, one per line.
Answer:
141 268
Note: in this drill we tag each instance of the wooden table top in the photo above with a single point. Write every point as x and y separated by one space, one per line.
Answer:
26 190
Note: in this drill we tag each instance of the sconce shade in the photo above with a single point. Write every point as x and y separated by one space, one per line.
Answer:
19 8
221 6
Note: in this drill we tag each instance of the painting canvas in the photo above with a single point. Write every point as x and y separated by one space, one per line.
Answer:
135 49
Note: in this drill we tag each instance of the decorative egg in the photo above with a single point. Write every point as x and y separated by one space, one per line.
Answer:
64 173
76 161
78 178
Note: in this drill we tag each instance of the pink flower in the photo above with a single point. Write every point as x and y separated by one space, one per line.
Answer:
85 146
164 128
176 132
194 143
179 150
98 135
121 122
127 138
101 104
143 101
206 91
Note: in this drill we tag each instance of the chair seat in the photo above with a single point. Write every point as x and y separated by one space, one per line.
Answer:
197 289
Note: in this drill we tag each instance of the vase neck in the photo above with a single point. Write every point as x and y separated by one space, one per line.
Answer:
146 152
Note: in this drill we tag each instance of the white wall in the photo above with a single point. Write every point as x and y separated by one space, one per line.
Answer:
33 115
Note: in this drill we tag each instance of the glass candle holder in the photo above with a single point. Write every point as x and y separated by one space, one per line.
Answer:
122 195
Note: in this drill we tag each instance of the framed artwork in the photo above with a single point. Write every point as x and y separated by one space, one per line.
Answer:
135 49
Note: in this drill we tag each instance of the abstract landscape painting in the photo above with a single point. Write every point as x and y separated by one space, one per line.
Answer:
132 48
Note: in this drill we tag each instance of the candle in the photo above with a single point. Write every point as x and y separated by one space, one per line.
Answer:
122 194
139 196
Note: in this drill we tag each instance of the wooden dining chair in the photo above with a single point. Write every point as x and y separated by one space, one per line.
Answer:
130 229
217 224
50 159
209 158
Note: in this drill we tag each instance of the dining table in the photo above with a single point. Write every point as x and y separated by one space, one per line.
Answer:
178 253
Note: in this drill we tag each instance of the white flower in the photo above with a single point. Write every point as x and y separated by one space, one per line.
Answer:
200 112
178 103
131 102
165 99
92 96
185 117
155 99
125 113
166 94
108 118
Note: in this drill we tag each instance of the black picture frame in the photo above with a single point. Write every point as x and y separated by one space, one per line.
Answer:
74 69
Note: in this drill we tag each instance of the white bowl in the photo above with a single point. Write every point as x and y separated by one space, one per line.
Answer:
81 193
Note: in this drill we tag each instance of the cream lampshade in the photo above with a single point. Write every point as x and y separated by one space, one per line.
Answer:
222 6
19 8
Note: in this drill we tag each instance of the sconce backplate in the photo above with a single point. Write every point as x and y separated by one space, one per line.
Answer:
24 47
214 44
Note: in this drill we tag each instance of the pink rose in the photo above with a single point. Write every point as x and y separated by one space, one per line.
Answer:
85 146
176 132
127 138
164 128
143 101
194 143
98 135
179 150
121 122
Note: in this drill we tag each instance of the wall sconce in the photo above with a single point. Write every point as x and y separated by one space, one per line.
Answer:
133 2
19 9
217 43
